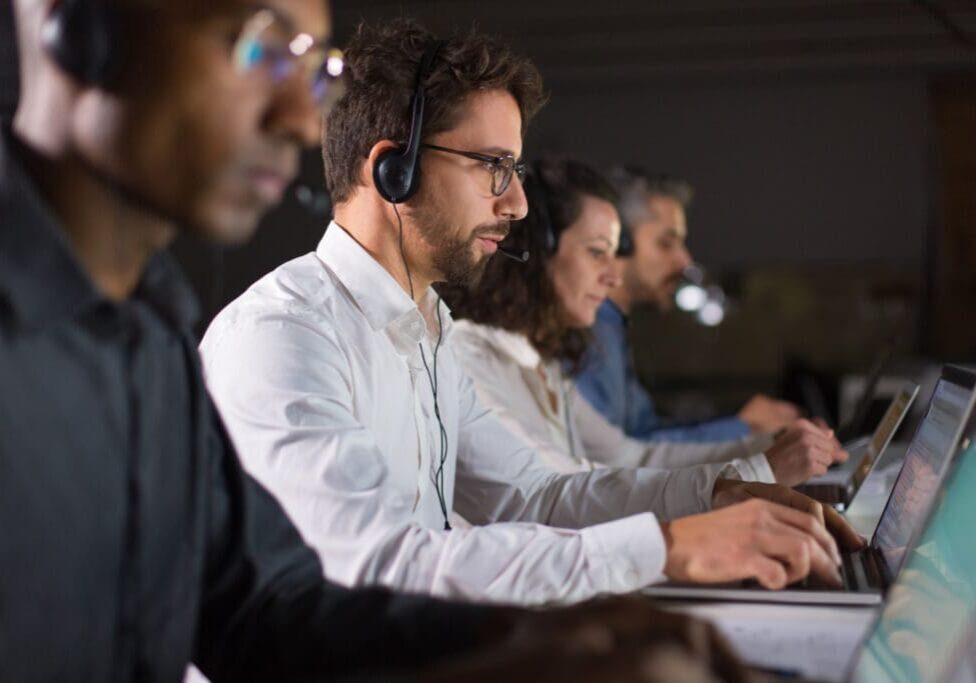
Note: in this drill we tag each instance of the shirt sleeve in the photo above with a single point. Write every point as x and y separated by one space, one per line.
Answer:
267 613
719 429
609 446
538 536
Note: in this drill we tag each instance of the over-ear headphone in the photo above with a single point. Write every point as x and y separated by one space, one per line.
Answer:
625 245
84 38
396 173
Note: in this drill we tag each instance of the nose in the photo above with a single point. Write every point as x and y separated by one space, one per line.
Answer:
293 113
512 205
610 275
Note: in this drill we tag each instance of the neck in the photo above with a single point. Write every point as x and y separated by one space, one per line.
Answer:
110 237
375 228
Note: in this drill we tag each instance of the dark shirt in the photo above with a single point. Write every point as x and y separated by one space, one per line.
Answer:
609 383
130 538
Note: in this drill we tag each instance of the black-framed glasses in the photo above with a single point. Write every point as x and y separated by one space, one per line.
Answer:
502 167
267 42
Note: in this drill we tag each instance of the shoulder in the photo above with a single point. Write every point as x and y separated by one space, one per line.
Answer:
300 296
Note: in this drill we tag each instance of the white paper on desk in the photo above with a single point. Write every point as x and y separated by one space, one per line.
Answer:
818 642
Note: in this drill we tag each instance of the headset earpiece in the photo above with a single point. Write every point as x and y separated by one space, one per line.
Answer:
396 173
625 245
83 37
537 194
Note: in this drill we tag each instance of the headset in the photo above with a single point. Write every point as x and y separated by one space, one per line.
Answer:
537 193
85 38
396 176
396 172
625 244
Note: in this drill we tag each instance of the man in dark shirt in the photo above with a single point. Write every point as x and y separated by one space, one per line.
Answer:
131 541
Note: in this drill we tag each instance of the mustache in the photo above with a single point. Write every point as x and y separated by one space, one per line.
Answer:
499 229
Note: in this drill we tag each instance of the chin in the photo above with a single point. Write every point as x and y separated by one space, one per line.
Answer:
230 226
582 320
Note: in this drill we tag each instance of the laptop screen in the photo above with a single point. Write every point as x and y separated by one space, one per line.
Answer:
886 428
926 621
924 466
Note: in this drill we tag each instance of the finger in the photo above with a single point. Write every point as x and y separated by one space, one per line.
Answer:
810 524
820 422
786 546
666 663
840 455
769 572
794 499
801 554
841 529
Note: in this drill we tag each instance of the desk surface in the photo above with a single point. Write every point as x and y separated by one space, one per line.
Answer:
817 641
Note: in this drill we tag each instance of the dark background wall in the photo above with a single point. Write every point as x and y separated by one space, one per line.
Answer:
806 171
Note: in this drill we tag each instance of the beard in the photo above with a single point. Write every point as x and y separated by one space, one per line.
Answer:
455 258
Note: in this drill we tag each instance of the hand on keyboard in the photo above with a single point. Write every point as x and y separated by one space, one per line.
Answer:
728 492
803 450
772 543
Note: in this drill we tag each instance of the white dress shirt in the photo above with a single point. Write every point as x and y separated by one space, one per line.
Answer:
318 373
519 387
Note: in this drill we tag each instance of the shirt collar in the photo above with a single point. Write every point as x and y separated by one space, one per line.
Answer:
374 290
39 274
514 345
611 313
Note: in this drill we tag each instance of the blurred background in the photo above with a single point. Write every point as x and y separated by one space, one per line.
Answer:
831 144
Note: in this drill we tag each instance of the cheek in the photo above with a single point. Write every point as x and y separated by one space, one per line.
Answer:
571 282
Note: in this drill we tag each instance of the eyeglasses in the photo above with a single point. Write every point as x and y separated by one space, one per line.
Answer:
502 167
266 43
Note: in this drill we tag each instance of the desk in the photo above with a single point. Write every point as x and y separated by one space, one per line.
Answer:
817 641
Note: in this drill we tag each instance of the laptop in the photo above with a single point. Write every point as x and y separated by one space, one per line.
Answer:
838 486
855 427
924 632
867 573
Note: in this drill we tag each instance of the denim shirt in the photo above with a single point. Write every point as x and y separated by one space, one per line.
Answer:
609 382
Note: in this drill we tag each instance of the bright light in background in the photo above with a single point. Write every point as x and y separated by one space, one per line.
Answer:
711 314
300 44
691 298
708 304
334 65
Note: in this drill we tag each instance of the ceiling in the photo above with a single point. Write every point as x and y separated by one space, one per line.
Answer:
577 42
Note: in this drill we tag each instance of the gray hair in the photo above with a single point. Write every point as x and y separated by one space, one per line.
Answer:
635 185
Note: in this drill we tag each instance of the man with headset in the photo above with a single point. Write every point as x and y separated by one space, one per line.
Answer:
131 539
355 412
652 259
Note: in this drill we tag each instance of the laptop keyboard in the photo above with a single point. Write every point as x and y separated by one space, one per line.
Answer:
859 571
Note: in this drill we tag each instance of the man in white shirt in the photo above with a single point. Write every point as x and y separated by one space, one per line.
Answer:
338 388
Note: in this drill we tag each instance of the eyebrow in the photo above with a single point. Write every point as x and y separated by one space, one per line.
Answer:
601 238
501 152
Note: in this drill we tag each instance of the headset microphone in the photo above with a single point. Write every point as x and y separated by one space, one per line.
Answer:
520 256
315 201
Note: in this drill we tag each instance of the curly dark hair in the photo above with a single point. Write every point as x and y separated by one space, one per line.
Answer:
379 80
520 297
